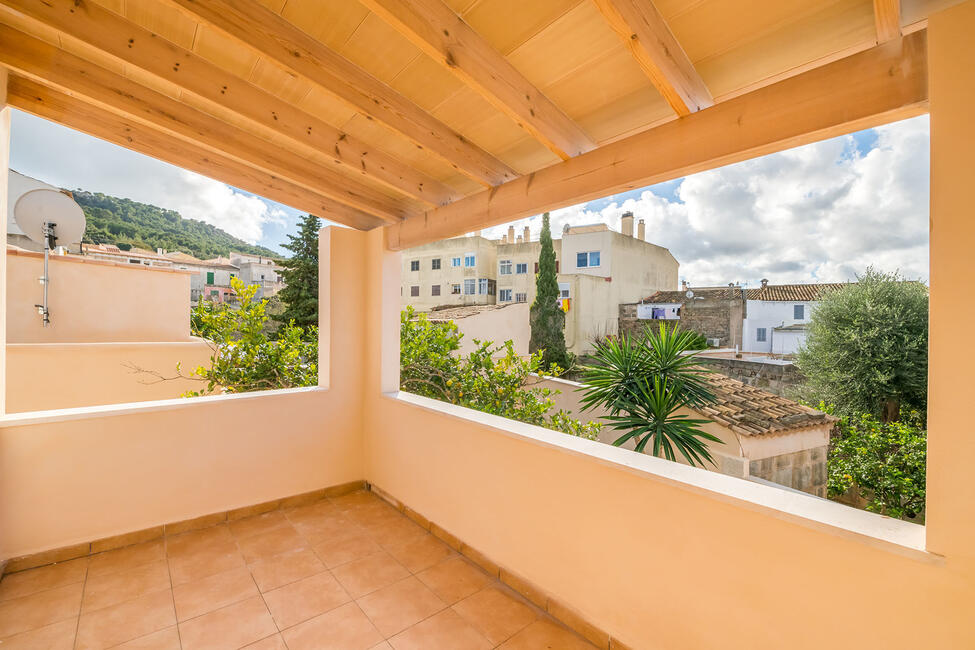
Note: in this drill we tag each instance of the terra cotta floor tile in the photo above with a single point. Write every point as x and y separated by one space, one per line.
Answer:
198 541
40 609
343 628
337 552
305 599
113 588
263 523
166 639
229 628
454 579
272 542
394 608
278 570
187 567
369 574
496 614
545 634
128 557
57 636
110 626
201 596
25 583
445 630
421 553
275 642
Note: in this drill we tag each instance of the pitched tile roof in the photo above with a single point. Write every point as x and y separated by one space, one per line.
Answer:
708 293
752 411
793 292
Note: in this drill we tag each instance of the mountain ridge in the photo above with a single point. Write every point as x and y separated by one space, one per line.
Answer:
114 220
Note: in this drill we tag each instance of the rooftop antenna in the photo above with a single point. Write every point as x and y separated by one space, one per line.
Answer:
46 216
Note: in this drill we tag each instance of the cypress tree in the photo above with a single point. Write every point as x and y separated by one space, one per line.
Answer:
546 316
300 295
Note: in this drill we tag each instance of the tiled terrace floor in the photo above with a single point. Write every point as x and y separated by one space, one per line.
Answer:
349 572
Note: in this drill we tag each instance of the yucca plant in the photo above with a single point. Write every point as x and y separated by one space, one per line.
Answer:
643 381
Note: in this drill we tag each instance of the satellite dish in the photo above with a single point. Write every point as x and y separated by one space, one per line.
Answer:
36 208
689 294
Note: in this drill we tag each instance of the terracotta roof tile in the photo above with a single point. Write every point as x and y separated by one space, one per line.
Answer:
752 411
708 293
793 292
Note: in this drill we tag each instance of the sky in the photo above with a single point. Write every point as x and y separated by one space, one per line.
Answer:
819 213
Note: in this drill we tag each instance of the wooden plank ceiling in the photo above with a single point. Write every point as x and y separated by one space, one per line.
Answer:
433 117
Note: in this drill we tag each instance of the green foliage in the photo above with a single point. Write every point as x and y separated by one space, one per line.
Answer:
867 349
244 357
482 380
885 463
642 382
546 317
126 223
695 340
300 274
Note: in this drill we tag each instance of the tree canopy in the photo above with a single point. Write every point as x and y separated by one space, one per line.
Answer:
127 223
300 274
867 349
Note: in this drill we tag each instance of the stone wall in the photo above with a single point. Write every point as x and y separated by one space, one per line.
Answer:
801 470
715 319
778 378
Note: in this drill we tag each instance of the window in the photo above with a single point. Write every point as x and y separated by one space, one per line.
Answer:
470 286
470 260
482 286
521 297
455 289
798 312
587 259
415 290
504 267
521 269
760 334
563 289
435 290
504 295
209 277
435 264
414 265
455 261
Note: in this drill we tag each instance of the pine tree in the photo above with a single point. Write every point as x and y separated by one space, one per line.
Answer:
300 295
546 317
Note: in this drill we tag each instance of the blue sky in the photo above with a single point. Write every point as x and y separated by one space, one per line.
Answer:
822 212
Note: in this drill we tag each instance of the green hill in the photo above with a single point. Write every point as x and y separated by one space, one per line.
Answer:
113 220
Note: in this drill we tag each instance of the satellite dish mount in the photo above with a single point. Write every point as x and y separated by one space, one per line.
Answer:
46 215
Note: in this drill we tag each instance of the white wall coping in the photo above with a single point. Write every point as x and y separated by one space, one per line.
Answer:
885 533
131 408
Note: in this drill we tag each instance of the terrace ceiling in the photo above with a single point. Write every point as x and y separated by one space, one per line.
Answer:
437 117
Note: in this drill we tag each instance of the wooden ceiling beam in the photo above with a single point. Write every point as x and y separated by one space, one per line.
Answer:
882 84
50 65
442 35
37 99
138 47
648 38
887 17
273 37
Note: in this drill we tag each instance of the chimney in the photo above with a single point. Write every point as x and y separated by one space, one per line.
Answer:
764 282
528 235
683 285
626 224
504 239
511 234
520 239
641 230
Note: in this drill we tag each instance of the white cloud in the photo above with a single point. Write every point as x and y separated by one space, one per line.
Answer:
73 160
822 212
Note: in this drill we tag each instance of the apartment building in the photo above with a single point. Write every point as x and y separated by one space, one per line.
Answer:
598 268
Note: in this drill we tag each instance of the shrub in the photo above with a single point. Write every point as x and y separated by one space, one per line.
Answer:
492 379
884 463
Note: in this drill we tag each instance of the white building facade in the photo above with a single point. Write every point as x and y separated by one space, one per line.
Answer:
777 316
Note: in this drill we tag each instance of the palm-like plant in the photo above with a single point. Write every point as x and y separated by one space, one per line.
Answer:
643 381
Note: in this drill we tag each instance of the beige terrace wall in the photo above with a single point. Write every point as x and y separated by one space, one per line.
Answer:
95 301
664 556
497 325
76 477
44 376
